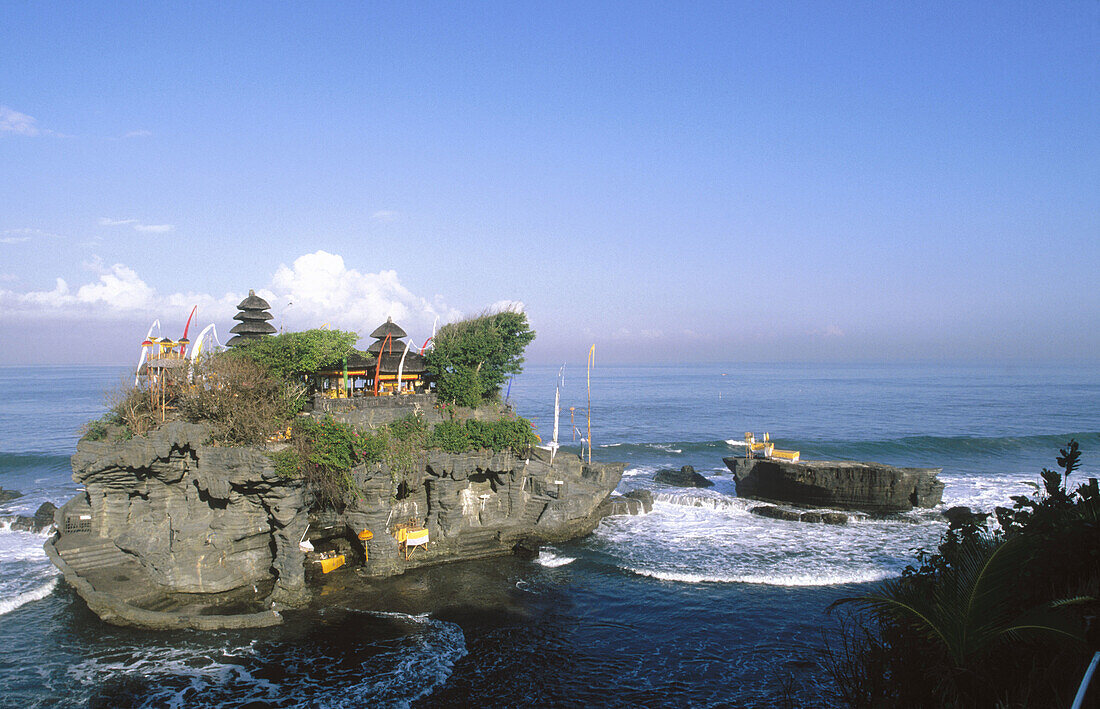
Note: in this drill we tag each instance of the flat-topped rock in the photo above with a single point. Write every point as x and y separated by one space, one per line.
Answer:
684 477
870 487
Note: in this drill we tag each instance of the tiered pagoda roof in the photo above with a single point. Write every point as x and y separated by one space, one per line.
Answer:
392 350
253 317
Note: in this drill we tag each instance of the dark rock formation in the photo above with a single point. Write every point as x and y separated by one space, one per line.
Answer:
684 477
6 495
645 496
41 520
871 487
196 528
962 515
774 512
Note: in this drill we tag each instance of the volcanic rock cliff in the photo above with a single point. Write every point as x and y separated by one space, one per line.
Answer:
174 532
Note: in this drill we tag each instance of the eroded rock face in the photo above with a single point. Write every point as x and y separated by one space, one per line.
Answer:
870 487
203 519
199 518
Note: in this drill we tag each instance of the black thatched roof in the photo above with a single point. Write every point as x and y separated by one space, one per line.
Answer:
253 327
388 328
252 315
394 346
414 363
253 302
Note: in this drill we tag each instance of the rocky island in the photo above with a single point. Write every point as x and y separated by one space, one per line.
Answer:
195 521
868 487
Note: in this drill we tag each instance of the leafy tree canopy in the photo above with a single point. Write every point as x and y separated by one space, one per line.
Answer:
472 358
293 353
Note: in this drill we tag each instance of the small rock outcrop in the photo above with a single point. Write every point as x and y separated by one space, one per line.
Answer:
7 495
684 477
645 496
39 522
869 487
773 512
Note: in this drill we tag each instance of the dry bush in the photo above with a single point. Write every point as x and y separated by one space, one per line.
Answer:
244 402
131 407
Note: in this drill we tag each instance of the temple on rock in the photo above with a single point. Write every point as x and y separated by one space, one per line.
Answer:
391 366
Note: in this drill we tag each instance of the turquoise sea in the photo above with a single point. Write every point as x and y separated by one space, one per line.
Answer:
697 604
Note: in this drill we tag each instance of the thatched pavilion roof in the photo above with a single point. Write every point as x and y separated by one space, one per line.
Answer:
388 328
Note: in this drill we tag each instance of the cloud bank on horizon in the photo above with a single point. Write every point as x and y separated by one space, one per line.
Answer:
315 289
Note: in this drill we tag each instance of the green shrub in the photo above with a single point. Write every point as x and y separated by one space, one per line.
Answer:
511 434
471 359
288 464
293 353
992 618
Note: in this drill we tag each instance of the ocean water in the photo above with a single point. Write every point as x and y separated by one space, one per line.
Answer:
698 603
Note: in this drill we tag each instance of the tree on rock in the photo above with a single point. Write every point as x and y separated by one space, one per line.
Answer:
471 359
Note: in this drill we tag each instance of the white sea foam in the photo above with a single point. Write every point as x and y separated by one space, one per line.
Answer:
707 536
736 443
768 580
551 560
7 605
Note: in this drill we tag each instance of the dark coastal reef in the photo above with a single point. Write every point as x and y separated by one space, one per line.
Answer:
1004 618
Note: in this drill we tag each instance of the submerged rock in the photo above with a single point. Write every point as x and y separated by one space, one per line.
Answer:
774 512
961 515
6 495
41 520
684 477
645 496
870 487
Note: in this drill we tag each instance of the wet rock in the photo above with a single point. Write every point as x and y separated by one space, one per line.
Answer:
6 495
619 505
814 517
870 487
645 496
40 522
773 512
526 548
960 515
834 518
684 477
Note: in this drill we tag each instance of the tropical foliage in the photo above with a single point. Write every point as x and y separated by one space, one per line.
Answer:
471 359
992 619
293 353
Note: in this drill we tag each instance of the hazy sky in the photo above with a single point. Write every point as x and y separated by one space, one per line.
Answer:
737 181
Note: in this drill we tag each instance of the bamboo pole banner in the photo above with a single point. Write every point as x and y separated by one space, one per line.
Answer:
591 363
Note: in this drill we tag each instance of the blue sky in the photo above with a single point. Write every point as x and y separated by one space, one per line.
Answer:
715 182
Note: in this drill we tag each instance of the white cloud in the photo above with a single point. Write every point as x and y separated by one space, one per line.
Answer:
21 124
321 288
155 228
515 306
315 289
138 134
18 236
14 239
18 123
137 226
384 215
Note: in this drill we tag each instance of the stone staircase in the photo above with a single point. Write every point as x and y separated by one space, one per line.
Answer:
534 509
86 553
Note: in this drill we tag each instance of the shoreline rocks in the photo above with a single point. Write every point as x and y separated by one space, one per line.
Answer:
9 495
684 477
868 487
